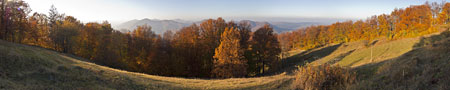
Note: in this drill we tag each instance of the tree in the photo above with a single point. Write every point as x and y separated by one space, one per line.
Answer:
266 49
187 51
104 52
229 57
54 16
64 33
444 16
142 48
164 55
384 25
244 29
210 35
39 31
55 20
13 20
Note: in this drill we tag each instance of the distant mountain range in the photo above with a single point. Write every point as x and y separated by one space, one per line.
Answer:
158 26
280 27
161 26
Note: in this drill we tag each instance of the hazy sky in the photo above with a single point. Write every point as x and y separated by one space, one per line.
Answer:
124 10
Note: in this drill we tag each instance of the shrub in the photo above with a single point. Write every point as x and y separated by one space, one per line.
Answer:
323 77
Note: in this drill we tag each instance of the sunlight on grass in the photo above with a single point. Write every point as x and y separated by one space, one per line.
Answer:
67 71
355 53
381 52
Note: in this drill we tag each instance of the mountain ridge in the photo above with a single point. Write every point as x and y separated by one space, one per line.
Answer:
161 26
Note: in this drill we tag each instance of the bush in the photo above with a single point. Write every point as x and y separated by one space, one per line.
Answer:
323 77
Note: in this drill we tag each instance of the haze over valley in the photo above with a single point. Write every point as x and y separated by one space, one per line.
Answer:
160 26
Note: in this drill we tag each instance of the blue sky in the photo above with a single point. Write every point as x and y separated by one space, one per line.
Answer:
262 10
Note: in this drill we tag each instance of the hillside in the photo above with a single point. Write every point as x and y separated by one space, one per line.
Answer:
400 64
426 66
411 63
30 67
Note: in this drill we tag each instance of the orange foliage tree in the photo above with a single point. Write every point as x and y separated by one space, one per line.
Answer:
229 57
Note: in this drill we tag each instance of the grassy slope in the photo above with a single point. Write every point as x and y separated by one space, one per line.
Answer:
399 64
351 54
28 67
356 53
425 67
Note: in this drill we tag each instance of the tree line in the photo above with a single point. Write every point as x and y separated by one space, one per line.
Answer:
412 21
214 48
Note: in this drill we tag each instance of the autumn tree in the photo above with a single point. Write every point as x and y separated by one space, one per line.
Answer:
412 21
187 51
164 55
104 52
142 45
211 31
14 22
64 34
39 31
229 57
118 50
436 8
384 26
55 20
444 16
266 49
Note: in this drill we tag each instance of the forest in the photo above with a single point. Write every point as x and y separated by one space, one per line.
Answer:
413 21
214 48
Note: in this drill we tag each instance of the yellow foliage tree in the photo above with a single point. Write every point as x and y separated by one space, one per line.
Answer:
444 17
229 57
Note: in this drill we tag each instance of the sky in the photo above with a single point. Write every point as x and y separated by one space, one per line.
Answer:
116 11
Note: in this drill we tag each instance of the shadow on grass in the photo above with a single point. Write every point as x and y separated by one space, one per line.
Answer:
424 67
289 65
340 57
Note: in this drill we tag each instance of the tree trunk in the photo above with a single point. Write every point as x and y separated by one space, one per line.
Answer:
2 20
371 54
263 67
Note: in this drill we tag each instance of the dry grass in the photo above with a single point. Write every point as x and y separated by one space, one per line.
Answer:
396 65
28 67
404 64
355 54
323 77
424 68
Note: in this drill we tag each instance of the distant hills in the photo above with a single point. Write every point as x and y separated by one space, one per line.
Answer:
160 26
280 26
